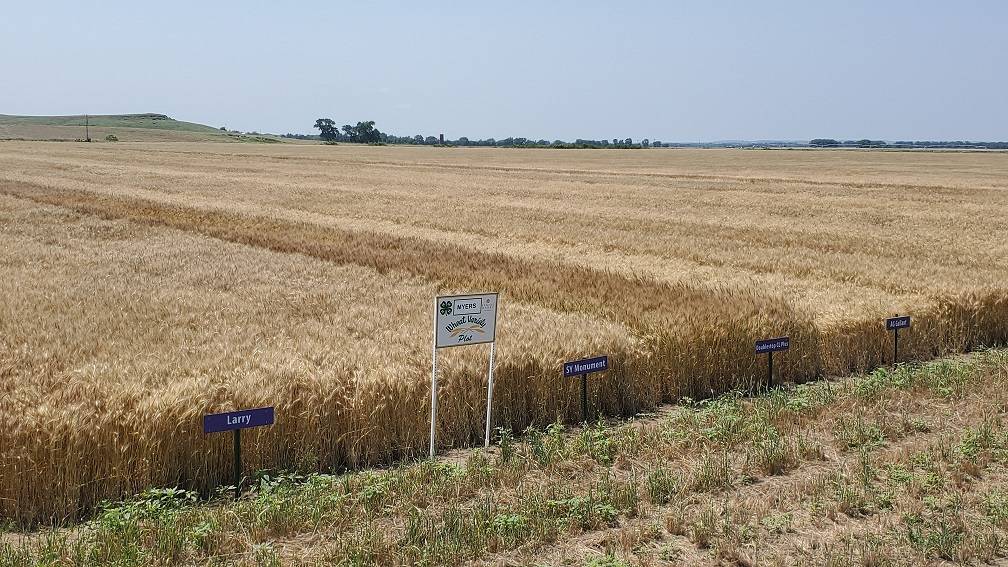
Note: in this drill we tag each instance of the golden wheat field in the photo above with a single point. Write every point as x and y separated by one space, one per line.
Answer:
144 285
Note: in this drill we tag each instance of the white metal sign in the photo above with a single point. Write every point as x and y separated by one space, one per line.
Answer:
465 319
461 320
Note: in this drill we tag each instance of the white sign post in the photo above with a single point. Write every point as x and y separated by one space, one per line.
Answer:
461 320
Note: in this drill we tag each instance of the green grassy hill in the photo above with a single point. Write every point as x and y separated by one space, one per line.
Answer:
147 120
147 127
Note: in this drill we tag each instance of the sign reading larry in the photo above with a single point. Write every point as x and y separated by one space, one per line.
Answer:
236 421
465 319
228 421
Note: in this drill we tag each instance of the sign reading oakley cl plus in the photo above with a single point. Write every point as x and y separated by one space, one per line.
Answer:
465 319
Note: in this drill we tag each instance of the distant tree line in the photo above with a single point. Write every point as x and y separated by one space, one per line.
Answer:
362 133
366 133
904 144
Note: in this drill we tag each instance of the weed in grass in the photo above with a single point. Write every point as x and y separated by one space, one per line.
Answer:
941 537
914 424
873 551
585 512
867 470
773 455
996 507
506 443
670 553
883 380
548 446
265 556
596 442
778 523
510 529
663 485
977 440
703 529
883 497
985 545
818 489
855 432
849 499
713 472
723 420
948 379
676 520
607 560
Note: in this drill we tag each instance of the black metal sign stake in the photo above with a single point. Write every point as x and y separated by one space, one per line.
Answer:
235 421
237 463
583 368
769 346
894 324
769 370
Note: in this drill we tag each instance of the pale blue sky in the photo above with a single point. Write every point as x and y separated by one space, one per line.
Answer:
662 70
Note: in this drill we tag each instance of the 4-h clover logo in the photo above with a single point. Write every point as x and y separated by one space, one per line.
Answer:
446 307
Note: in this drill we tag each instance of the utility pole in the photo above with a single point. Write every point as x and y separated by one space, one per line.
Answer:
87 129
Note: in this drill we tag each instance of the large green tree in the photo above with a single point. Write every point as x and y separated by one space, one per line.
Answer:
367 133
327 129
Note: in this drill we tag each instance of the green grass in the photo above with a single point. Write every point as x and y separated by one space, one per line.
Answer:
126 127
148 120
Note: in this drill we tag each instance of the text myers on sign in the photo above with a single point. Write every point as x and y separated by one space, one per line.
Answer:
894 323
465 319
231 420
773 345
586 366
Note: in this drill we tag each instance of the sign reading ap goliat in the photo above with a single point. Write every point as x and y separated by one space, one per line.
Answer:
465 319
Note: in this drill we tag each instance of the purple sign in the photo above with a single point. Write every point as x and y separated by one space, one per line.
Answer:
577 367
773 345
897 323
237 420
